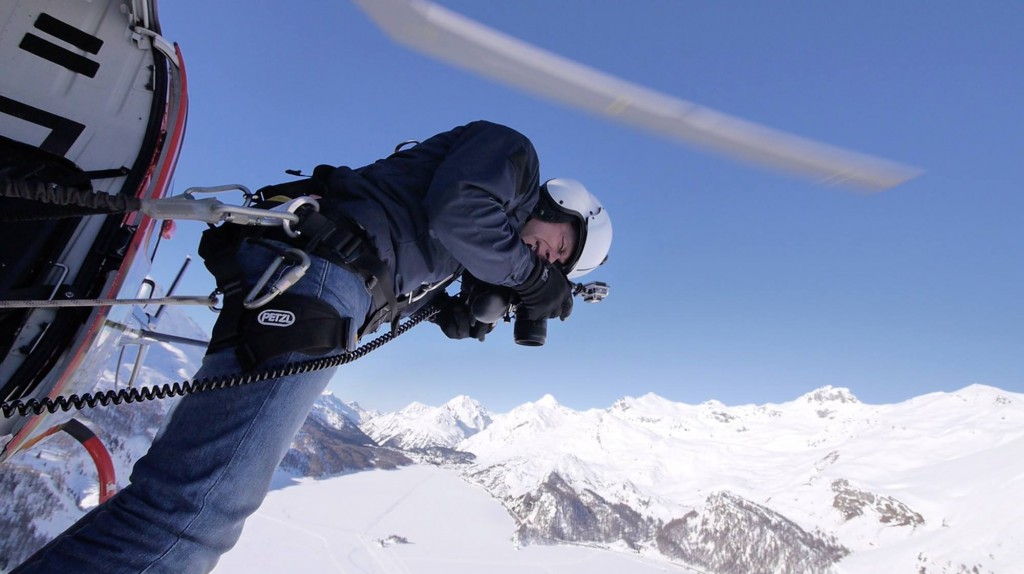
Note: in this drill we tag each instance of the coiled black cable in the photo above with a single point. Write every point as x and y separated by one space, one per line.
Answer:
133 395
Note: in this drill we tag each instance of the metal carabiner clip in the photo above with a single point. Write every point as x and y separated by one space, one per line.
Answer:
290 277
293 208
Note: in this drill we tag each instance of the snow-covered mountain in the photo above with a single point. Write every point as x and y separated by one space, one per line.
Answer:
330 443
823 483
418 426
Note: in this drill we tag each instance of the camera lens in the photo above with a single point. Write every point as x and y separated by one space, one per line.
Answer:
530 333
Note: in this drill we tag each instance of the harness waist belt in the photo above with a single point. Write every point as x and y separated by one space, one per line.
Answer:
345 243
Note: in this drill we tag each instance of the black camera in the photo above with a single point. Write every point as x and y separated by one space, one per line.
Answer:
489 304
533 333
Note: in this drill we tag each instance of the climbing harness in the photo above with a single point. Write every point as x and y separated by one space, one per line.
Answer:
265 321
290 226
339 239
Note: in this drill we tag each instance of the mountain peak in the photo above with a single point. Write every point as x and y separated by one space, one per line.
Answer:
421 426
414 408
983 393
646 401
463 403
461 399
830 394
548 401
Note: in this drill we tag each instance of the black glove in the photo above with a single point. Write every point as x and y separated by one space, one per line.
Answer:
456 320
545 294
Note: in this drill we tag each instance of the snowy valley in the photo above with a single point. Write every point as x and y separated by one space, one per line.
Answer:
823 483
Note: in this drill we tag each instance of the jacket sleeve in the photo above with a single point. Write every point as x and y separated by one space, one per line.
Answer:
488 180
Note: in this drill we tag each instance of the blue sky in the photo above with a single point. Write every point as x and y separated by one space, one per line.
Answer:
728 282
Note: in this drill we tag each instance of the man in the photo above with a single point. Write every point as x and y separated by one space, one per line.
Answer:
392 235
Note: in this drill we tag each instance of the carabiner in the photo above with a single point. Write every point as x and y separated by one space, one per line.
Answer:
293 207
291 277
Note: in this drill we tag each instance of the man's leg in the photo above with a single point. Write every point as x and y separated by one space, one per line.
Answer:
190 495
209 468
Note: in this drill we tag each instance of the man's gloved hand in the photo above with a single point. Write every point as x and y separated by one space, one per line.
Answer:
456 320
545 294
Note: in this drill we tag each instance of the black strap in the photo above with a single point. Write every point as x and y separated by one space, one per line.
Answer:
219 247
344 242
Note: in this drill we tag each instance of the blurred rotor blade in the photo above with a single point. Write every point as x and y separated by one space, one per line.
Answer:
453 38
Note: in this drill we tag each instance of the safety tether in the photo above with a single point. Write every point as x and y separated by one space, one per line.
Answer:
80 201
167 390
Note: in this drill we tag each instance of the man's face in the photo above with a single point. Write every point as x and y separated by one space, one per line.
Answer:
553 242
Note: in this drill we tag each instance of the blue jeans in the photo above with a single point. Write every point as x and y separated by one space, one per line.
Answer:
212 462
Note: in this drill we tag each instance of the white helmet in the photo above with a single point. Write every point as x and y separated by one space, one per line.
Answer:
594 227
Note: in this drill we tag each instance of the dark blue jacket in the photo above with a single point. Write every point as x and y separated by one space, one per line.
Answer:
454 201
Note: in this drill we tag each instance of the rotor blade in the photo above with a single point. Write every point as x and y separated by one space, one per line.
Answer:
453 38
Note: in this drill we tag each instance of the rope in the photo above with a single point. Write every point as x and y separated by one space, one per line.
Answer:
134 395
